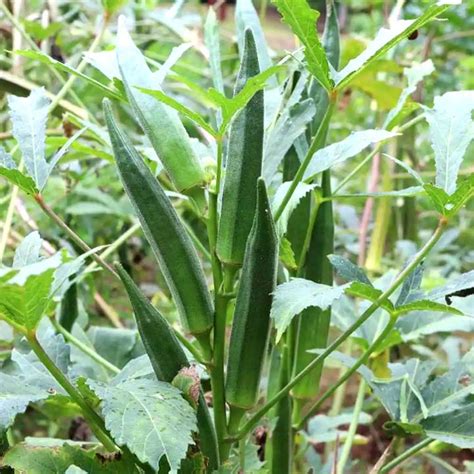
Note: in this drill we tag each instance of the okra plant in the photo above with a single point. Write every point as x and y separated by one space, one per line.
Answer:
274 330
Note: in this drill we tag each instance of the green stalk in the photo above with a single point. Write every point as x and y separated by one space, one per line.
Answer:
74 237
360 361
212 237
84 348
93 419
316 144
346 450
420 256
406 455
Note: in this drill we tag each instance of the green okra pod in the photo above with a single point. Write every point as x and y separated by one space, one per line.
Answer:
166 234
167 357
160 123
243 165
251 324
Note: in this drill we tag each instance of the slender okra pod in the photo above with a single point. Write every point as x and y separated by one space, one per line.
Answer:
167 236
167 357
161 123
243 165
251 324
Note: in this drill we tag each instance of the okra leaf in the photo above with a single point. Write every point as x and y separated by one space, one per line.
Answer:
451 131
301 190
438 197
28 251
9 171
406 192
63 456
425 305
369 293
302 19
292 297
385 40
59 66
455 287
339 152
414 75
289 126
29 115
186 111
211 39
150 417
411 286
15 396
348 270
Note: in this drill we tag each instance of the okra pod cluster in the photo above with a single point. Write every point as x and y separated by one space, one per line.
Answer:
251 324
243 165
167 236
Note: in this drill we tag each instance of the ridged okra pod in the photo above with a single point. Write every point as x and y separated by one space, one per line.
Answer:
313 327
161 123
166 234
251 324
243 165
167 358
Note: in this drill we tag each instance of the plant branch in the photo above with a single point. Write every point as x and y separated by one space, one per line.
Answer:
93 419
364 317
49 212
84 348
405 455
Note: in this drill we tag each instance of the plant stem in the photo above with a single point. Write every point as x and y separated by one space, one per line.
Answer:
364 317
318 140
212 237
346 450
84 348
48 211
360 361
219 164
217 370
405 455
309 233
93 419
114 246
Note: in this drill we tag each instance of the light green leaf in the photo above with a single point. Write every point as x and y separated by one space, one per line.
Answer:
425 305
211 39
293 297
347 270
150 417
28 251
29 115
301 190
411 286
386 39
302 19
8 170
369 293
460 197
438 197
451 131
462 282
289 126
45 59
414 74
113 6
15 396
339 152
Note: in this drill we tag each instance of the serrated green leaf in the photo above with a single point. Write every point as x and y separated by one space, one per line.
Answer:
385 40
150 417
369 293
339 152
9 171
286 254
29 115
302 19
348 270
463 193
438 197
451 131
293 297
28 251
425 305
462 282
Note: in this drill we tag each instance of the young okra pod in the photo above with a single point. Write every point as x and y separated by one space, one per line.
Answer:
167 357
160 123
166 234
251 324
243 165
